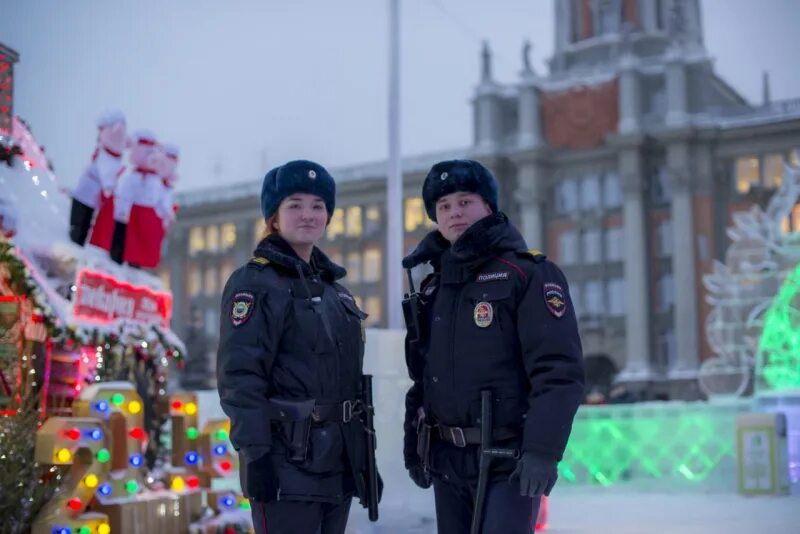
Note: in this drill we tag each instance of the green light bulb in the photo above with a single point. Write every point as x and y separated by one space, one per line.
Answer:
103 456
117 399
192 433
222 435
131 486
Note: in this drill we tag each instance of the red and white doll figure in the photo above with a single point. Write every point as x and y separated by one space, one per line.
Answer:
100 175
138 231
167 209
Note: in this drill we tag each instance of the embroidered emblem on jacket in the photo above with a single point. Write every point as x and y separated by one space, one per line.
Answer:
555 299
242 307
483 314
490 277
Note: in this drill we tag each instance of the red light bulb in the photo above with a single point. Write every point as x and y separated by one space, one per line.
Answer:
136 433
75 504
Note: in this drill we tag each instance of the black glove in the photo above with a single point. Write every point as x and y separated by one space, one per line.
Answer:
261 483
420 476
537 474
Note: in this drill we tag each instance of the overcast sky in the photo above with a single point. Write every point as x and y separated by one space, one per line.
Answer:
243 85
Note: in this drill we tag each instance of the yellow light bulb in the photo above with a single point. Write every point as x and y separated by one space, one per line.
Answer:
91 481
134 406
64 456
178 484
191 408
103 528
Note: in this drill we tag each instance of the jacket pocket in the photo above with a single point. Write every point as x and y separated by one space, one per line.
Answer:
326 449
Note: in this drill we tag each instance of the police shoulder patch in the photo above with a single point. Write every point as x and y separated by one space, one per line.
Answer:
242 307
555 299
537 255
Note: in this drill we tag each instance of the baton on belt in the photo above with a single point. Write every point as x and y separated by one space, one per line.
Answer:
487 453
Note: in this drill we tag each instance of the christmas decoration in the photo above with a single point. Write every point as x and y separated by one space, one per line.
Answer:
762 253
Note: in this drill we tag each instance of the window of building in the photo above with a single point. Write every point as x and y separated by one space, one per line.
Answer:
211 322
609 16
567 196
614 243
665 238
747 170
163 274
372 265
792 222
353 226
212 238
593 298
197 240
773 170
194 281
372 306
667 349
228 236
590 192
353 267
336 226
211 279
414 213
225 271
660 188
568 247
615 289
666 292
591 245
612 190
373 220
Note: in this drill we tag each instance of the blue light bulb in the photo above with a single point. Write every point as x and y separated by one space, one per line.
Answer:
220 450
191 458
105 489
96 434
136 460
102 406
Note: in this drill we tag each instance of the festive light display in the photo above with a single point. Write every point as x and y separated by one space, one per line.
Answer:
221 459
67 441
779 347
673 441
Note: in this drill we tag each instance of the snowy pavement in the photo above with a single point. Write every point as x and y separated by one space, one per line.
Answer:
600 511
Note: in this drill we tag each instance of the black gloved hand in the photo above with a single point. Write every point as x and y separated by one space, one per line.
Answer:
537 474
420 476
261 482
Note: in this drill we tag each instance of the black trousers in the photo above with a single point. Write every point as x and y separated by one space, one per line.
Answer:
300 517
505 511
80 220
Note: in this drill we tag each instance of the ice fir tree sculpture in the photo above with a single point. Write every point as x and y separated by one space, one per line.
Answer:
755 296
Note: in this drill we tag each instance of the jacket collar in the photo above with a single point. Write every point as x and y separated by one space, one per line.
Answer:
277 250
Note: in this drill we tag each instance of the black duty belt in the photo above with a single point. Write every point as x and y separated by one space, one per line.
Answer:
463 436
340 412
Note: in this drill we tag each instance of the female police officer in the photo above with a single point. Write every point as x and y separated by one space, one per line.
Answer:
290 362
495 316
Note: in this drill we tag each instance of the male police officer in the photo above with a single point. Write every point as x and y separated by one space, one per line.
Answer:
492 316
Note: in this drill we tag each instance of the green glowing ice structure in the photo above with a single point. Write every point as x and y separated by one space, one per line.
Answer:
676 444
779 346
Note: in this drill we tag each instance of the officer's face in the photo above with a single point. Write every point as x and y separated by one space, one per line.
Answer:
302 219
458 211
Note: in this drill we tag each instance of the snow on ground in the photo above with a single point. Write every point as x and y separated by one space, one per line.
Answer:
621 511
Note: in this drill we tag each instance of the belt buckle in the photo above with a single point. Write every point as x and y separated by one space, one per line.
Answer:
457 436
347 411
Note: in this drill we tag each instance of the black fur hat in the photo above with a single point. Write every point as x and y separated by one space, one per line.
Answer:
455 175
299 176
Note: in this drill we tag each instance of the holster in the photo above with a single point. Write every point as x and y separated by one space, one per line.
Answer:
412 313
294 421
423 438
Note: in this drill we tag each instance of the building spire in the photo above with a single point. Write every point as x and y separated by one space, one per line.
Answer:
765 93
486 63
526 56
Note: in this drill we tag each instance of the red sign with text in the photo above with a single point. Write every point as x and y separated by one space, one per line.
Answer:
104 298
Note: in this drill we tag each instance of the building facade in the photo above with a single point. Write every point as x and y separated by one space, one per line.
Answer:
624 163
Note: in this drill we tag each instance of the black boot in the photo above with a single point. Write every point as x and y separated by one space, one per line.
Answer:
80 220
118 242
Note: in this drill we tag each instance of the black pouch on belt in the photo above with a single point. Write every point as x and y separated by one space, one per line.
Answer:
423 438
295 424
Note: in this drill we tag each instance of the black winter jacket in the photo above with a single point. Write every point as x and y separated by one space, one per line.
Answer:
288 331
499 317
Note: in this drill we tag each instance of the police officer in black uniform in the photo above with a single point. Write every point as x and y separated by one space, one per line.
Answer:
290 363
493 316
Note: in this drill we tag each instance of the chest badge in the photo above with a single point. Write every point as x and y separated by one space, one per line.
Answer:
242 307
555 299
483 314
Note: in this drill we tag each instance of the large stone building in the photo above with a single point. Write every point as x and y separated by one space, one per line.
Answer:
624 164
